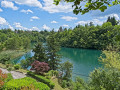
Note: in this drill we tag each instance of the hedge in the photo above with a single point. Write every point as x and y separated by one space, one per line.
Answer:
17 84
41 79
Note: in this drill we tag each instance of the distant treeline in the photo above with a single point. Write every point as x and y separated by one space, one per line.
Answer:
89 36
20 39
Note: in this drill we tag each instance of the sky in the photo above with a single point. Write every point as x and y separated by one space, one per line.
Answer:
44 15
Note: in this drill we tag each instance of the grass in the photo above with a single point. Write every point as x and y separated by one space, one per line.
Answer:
12 53
2 65
57 86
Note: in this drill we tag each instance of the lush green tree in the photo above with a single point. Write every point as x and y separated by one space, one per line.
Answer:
89 5
110 59
105 79
20 39
26 43
52 48
26 63
112 20
90 36
40 53
79 84
66 69
12 43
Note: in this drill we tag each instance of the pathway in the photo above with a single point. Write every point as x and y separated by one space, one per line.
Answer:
15 74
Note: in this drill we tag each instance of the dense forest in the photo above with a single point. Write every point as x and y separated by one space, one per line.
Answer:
90 36
20 39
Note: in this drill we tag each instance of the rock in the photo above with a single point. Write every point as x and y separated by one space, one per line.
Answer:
15 74
4 70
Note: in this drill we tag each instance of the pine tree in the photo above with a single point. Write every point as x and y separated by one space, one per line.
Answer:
53 47
60 29
109 19
40 54
91 24
112 20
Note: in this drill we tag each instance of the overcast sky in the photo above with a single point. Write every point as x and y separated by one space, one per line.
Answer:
43 14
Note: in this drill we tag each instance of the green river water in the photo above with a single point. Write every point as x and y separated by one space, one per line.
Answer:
84 60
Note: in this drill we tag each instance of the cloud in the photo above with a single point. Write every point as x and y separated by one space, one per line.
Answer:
10 27
56 29
111 15
3 21
33 3
1 10
35 29
51 8
65 25
8 4
19 26
69 18
54 22
95 21
26 11
45 27
34 17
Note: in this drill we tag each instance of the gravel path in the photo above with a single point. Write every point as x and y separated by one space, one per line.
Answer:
16 75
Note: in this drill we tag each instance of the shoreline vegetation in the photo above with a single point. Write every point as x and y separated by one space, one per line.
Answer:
45 64
13 54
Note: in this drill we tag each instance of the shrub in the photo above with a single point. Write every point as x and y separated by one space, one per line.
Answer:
107 79
17 84
9 77
40 67
52 73
17 66
79 84
2 78
63 84
42 79
31 87
9 68
4 58
7 64
48 77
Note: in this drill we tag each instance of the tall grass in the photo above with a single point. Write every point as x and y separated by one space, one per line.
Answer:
11 54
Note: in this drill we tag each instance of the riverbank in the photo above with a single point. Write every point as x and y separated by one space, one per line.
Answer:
12 54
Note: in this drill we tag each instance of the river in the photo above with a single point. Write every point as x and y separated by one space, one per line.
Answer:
84 60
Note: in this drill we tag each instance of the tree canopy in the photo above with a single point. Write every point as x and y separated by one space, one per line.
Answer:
112 20
89 5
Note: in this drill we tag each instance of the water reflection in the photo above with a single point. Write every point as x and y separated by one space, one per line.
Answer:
25 56
84 60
